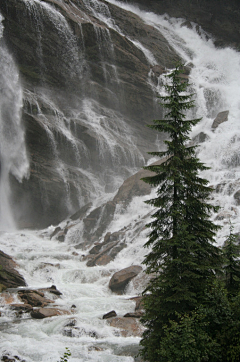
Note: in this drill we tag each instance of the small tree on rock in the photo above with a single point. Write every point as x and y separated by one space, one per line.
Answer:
183 258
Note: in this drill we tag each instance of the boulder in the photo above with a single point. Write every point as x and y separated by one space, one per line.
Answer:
221 117
135 186
128 327
41 313
34 297
120 279
21 308
110 314
9 276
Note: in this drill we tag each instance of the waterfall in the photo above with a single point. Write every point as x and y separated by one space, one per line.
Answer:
13 156
73 62
42 259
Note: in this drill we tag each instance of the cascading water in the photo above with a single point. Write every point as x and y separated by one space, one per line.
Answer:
13 156
44 261
78 127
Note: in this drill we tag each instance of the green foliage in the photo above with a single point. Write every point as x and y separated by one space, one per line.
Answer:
66 355
187 340
182 257
229 333
231 267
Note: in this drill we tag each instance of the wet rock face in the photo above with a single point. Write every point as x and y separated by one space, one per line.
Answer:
215 16
66 56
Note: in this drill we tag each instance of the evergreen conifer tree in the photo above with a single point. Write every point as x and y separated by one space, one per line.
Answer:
183 258
231 268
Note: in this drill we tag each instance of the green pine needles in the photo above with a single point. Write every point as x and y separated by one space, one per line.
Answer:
231 267
183 258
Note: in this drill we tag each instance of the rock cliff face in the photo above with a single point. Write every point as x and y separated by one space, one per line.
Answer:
219 18
86 97
88 72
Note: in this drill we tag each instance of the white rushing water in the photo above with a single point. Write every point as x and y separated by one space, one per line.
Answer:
13 157
43 261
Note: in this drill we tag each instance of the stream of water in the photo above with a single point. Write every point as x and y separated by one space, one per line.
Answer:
42 261
13 156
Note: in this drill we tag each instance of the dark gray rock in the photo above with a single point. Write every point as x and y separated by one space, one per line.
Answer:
110 314
221 117
120 279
